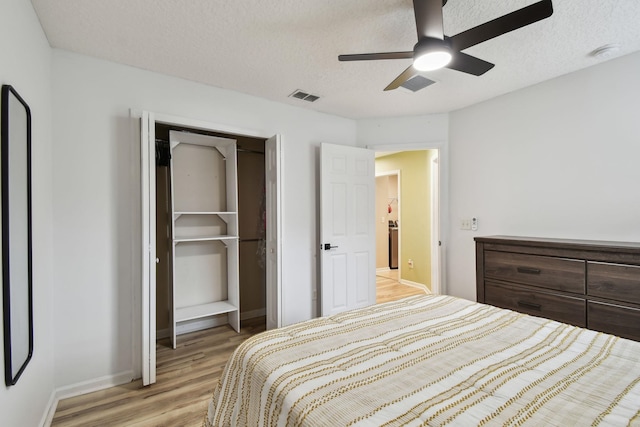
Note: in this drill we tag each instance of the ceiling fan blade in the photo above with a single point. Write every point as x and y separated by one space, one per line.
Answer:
428 15
469 64
406 75
375 56
509 22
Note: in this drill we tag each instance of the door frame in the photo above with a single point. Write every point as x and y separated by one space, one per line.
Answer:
147 187
436 267
439 258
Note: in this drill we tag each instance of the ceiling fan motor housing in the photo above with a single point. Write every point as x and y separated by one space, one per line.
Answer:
431 53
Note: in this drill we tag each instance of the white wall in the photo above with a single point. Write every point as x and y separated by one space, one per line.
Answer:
404 131
96 200
559 159
26 65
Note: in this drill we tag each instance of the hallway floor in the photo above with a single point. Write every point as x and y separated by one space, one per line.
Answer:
389 288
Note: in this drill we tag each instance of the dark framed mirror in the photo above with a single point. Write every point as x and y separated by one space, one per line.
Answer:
17 298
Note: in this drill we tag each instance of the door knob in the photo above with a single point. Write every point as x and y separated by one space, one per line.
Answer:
328 246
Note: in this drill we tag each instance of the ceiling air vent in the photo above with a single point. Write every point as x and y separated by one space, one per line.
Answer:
416 83
304 96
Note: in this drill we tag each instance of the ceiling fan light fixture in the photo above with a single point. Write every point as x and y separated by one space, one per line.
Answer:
432 61
431 54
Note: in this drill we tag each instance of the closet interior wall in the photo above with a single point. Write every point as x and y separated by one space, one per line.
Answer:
251 207
251 225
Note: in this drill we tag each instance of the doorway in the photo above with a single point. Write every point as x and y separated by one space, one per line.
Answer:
407 203
270 187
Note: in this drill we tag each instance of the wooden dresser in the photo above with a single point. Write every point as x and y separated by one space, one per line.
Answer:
592 284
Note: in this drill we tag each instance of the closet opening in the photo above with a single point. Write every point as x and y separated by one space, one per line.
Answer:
243 221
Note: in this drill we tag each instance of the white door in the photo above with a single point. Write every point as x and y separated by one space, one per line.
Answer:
148 189
347 228
272 256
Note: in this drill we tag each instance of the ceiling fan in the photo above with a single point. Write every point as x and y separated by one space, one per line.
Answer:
435 50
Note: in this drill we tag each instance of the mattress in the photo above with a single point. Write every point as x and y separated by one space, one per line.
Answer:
429 361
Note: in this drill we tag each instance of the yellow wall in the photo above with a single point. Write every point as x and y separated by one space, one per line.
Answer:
415 211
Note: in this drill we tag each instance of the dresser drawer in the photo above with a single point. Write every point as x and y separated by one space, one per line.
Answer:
614 319
614 281
542 304
547 272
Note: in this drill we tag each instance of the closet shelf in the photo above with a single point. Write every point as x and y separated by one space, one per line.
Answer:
203 213
223 215
204 238
203 310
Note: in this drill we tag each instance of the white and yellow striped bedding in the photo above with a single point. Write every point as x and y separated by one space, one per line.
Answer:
431 361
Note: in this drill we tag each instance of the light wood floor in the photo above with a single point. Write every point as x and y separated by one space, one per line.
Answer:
185 377
389 289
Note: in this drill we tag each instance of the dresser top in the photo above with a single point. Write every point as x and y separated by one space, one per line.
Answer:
592 245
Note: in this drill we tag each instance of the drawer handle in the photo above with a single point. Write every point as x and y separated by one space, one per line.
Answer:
530 305
528 270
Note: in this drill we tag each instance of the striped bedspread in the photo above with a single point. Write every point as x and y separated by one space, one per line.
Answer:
430 361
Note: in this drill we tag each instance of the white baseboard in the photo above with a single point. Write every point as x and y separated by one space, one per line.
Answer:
50 410
83 387
211 322
199 325
416 285
194 325
382 269
94 385
253 314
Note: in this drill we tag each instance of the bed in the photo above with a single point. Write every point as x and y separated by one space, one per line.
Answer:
430 361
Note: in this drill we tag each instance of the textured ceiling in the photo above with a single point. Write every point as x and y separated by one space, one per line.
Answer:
271 48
